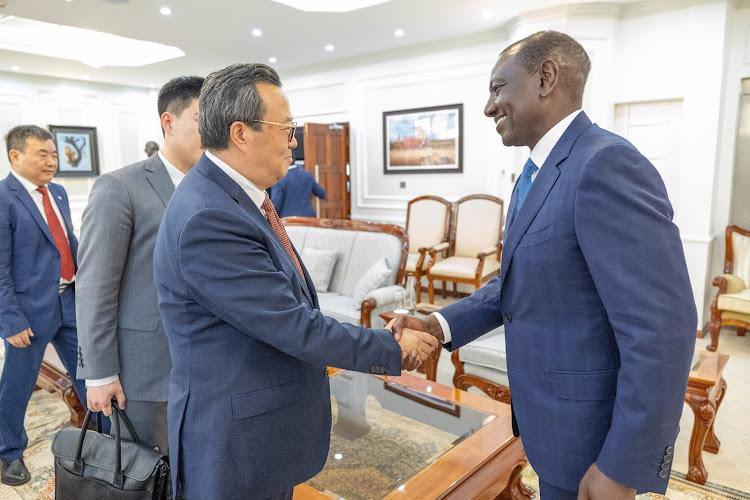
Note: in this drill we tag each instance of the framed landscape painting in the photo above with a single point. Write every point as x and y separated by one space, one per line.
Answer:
77 152
423 140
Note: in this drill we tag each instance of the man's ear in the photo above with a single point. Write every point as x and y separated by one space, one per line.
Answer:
166 122
239 134
549 75
13 156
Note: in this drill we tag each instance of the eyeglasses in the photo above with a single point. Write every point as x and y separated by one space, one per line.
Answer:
291 127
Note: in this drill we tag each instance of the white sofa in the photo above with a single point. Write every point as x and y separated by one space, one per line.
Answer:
359 246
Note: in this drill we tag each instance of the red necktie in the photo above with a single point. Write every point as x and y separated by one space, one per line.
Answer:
278 228
67 266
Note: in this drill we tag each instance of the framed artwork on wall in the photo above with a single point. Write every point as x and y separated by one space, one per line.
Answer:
423 140
77 152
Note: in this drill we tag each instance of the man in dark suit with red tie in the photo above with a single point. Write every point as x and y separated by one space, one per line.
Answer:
37 284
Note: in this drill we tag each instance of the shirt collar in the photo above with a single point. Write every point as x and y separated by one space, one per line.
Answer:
254 192
27 184
545 145
174 173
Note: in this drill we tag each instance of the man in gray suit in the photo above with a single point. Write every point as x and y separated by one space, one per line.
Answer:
123 350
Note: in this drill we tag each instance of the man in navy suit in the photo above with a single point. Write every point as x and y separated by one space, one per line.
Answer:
249 412
37 289
291 195
593 290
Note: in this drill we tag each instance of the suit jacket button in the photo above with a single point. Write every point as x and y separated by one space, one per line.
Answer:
326 373
663 474
670 450
664 466
667 459
508 318
373 369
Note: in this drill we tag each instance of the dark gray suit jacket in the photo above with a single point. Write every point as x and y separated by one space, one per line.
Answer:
119 330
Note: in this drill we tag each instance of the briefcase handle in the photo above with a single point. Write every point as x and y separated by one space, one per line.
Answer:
119 478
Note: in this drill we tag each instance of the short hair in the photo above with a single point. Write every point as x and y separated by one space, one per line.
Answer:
230 95
177 94
155 144
16 138
570 56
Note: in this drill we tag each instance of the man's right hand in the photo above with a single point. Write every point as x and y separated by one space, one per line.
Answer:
98 398
21 339
429 325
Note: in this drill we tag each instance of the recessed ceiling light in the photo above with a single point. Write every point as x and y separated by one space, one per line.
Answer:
152 85
257 32
93 48
166 11
399 32
329 47
15 68
330 5
87 77
272 59
487 13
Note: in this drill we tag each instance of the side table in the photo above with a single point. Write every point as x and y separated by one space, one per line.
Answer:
429 367
705 391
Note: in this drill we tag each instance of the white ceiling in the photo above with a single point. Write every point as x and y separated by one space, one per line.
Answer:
216 33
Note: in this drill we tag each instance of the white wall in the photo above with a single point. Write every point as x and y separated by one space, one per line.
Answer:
125 119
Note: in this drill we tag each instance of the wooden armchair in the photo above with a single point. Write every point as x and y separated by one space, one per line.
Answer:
428 221
475 244
731 306
482 364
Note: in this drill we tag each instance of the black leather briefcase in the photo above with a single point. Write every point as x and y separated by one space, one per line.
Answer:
91 465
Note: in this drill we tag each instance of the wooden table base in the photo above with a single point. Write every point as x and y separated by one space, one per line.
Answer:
706 389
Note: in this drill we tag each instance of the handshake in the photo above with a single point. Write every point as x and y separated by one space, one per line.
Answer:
418 338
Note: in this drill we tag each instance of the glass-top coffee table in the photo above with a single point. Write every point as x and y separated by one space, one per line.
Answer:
410 438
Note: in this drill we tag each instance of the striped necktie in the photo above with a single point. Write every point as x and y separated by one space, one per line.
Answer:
278 228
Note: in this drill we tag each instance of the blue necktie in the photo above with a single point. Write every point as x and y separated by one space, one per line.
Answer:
524 185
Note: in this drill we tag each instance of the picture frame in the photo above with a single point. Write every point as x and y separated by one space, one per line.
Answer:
423 140
77 150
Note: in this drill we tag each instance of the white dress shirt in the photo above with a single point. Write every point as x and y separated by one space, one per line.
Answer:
39 202
538 155
254 192
174 174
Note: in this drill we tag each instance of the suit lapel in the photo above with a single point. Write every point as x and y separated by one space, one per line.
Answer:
158 177
213 172
540 189
26 200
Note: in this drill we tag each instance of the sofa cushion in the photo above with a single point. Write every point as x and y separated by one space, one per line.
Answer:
339 307
463 267
319 264
370 281
487 351
735 302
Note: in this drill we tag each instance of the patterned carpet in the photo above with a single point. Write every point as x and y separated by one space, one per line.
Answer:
47 414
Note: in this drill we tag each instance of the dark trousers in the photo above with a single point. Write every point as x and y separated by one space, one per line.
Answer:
20 373
549 492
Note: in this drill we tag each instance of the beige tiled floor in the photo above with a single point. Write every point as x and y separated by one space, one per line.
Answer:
731 466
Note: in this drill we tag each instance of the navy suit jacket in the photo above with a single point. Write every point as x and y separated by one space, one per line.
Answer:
30 262
598 311
291 195
249 403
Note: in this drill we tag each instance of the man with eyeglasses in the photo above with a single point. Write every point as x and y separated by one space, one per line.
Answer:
249 399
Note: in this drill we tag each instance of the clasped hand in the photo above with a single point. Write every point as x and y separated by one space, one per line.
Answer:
416 338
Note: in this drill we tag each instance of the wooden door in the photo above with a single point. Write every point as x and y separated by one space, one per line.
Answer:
327 158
